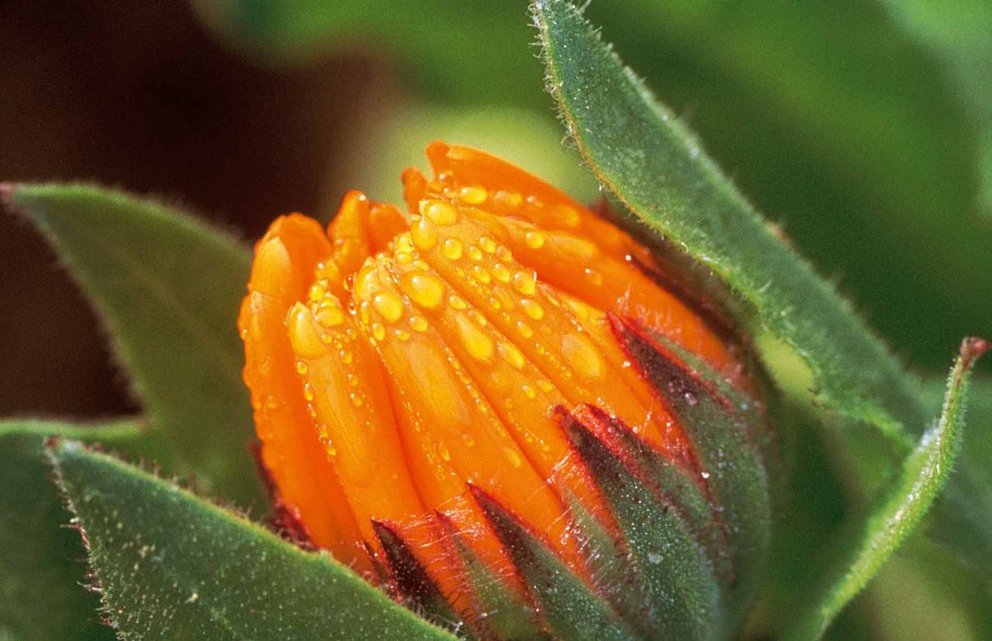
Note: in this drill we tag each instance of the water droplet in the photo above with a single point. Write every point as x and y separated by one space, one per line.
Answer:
525 282
426 290
378 331
513 457
690 398
487 244
593 276
512 355
439 212
473 194
534 239
508 199
356 399
474 253
308 391
457 302
524 329
418 323
423 234
565 215
705 475
452 249
476 342
532 308
301 368
330 317
443 452
480 274
501 273
389 306
581 354
529 392
317 292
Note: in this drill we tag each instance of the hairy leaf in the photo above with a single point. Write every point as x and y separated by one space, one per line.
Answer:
172 566
652 164
42 567
168 289
870 542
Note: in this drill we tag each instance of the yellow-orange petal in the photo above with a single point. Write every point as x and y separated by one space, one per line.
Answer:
462 430
291 452
344 387
485 275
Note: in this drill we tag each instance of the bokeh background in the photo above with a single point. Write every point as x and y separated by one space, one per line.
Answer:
861 127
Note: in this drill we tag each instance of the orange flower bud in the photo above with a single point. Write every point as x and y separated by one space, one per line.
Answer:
406 363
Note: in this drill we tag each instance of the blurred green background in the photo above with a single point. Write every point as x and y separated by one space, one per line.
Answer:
863 128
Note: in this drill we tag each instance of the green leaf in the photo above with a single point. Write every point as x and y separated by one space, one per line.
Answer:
651 163
172 566
168 289
870 542
42 564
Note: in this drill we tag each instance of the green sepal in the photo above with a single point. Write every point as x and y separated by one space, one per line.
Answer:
721 436
677 591
172 566
668 482
502 613
569 608
167 288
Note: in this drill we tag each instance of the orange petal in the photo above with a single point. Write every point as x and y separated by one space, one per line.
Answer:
291 452
460 429
344 386
488 277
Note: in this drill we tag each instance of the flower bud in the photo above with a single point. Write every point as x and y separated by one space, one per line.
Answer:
490 404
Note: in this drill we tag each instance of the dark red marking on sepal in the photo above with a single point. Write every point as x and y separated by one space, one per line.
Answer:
684 490
675 383
671 589
411 581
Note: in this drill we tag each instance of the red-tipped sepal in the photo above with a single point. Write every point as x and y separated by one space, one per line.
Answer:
723 426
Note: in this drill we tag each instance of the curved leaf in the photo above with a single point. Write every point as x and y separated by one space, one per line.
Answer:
168 289
41 560
897 513
171 566
651 163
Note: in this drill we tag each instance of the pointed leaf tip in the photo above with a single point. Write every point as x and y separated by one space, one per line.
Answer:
167 288
868 542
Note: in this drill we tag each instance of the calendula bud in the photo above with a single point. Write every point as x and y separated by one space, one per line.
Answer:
490 404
